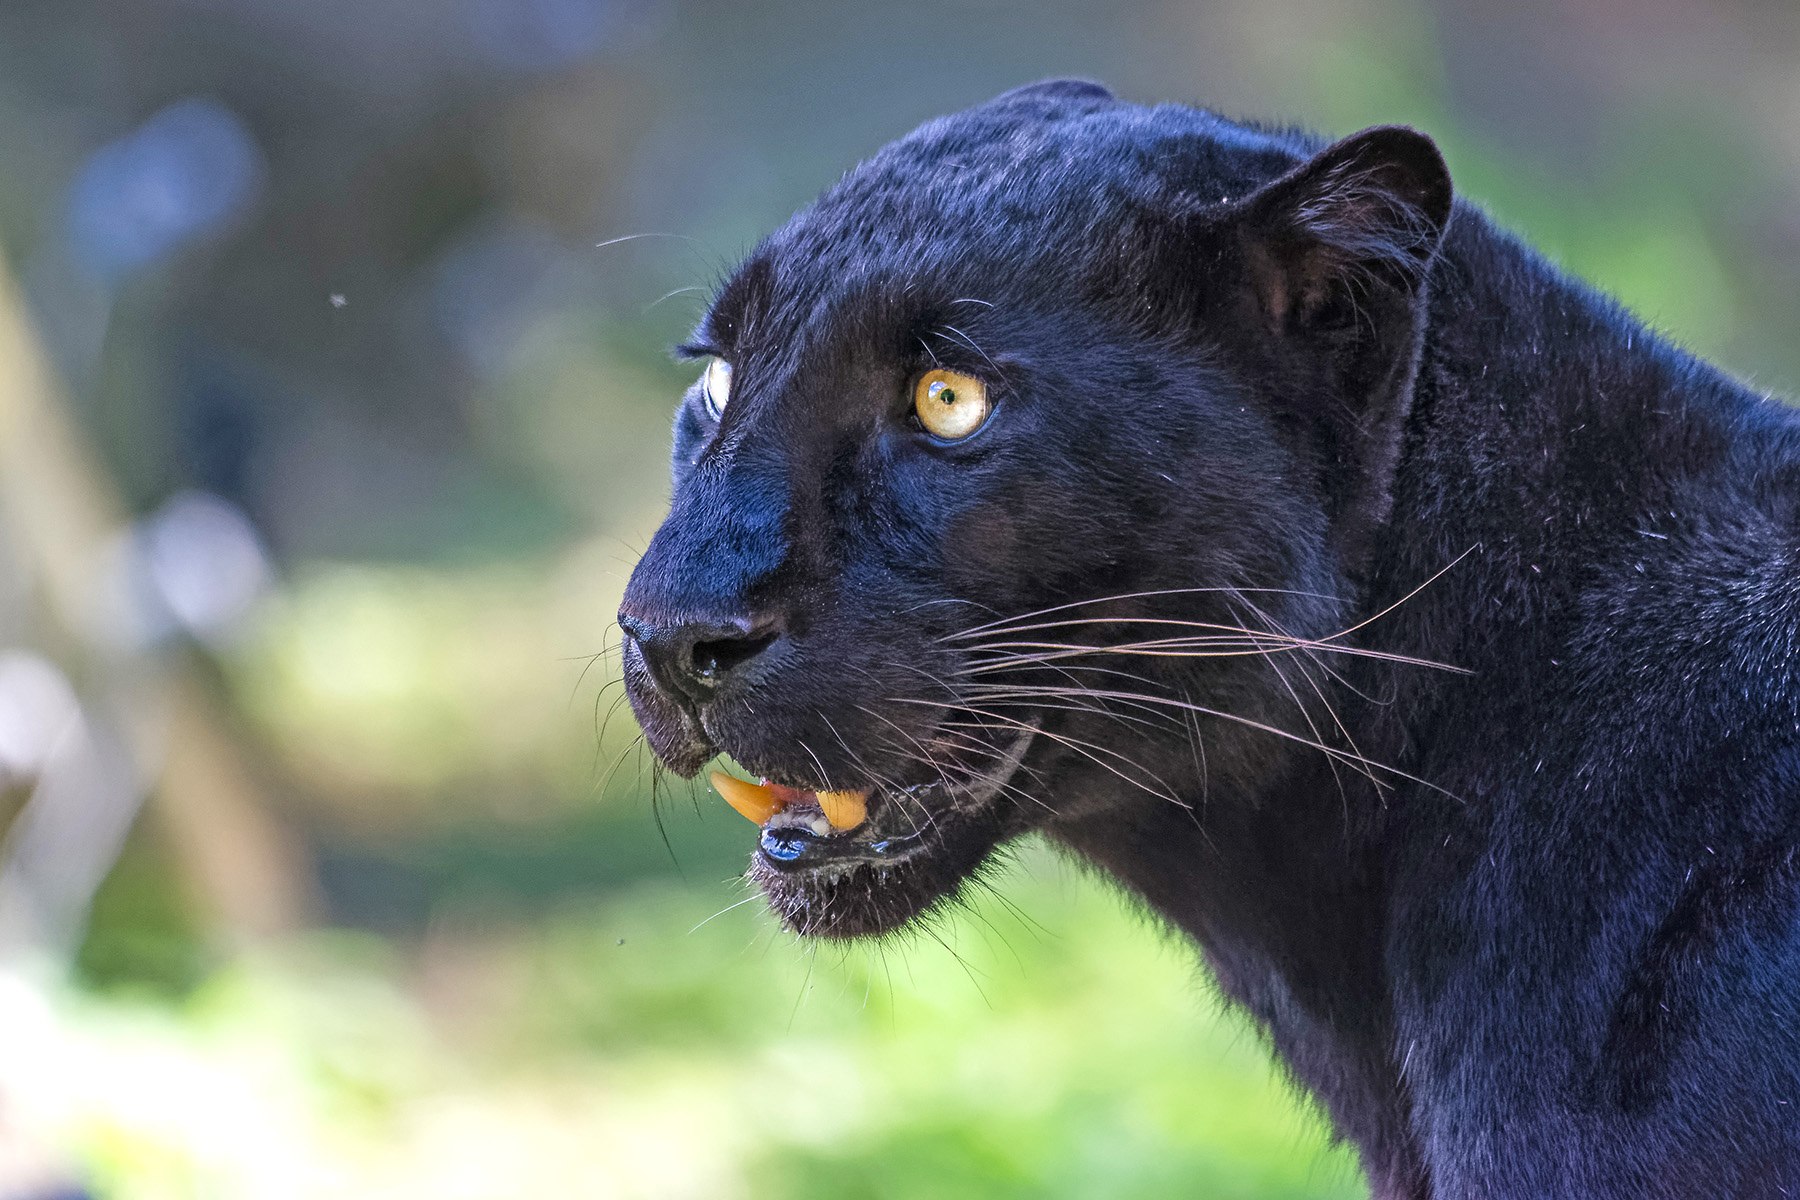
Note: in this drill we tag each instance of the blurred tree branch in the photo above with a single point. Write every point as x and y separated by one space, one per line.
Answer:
247 872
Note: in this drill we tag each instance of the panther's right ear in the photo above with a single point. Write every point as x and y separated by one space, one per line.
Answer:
1316 283
1362 216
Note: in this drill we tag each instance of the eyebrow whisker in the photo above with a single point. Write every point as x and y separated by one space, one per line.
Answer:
970 343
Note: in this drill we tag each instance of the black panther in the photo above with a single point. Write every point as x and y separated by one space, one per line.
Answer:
1398 618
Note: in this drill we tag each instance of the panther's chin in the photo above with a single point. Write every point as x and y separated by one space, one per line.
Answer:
914 848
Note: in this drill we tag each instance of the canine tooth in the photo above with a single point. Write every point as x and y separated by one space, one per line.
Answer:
757 802
845 810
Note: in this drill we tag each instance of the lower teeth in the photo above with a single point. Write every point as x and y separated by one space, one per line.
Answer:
796 817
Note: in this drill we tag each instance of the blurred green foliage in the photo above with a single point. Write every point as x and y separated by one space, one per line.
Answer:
674 1052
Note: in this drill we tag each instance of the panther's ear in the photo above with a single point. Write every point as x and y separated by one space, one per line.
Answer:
1317 284
1361 217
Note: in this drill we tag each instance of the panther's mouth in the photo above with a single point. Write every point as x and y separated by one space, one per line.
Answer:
803 829
852 864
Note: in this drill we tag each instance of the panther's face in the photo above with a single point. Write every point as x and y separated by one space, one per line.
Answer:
990 495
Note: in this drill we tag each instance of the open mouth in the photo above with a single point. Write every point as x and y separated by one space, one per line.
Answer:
805 830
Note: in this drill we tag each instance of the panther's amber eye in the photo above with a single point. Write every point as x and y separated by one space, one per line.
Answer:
715 387
949 404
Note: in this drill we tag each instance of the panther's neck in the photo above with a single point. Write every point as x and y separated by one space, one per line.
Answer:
1548 430
1548 427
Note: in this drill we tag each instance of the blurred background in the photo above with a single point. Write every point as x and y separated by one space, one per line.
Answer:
334 401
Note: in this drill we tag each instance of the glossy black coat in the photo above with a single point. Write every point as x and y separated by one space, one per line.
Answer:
1527 928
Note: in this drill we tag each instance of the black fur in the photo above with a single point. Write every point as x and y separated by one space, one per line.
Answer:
1527 928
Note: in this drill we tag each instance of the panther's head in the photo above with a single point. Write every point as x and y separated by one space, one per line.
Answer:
1013 456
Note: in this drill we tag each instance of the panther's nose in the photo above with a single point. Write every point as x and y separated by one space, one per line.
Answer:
693 658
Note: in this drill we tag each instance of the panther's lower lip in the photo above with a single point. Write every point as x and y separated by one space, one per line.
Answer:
792 848
899 826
